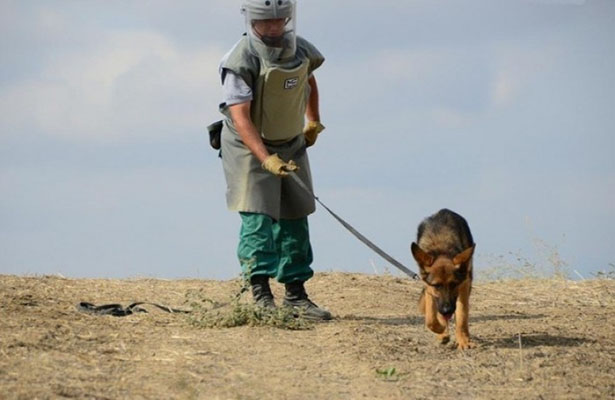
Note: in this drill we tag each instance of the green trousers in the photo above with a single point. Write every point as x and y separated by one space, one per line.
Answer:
280 249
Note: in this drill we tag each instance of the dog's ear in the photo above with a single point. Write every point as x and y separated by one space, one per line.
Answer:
464 256
423 259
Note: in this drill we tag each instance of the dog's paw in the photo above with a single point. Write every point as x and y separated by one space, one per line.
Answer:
465 345
443 339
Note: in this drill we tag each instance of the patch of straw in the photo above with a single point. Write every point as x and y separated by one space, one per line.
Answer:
207 313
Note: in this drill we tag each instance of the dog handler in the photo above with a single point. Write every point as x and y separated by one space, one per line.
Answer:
272 115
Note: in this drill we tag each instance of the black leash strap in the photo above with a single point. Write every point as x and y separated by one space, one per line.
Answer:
118 311
356 233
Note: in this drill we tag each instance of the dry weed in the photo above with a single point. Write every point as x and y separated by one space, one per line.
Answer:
207 313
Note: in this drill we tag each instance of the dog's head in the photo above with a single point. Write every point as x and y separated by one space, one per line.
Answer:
443 276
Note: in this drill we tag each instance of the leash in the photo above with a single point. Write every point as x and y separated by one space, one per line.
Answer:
118 311
356 233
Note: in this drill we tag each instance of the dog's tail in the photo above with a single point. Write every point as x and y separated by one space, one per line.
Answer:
422 302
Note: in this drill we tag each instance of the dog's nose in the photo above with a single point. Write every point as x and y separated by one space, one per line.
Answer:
447 309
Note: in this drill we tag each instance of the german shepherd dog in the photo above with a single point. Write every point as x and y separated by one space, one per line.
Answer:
443 252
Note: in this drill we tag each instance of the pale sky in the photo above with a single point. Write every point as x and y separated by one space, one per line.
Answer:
503 111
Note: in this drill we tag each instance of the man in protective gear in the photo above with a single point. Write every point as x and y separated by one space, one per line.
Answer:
272 115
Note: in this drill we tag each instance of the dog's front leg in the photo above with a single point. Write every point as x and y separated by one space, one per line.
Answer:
462 331
434 322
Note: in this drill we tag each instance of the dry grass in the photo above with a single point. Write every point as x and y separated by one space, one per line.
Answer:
238 311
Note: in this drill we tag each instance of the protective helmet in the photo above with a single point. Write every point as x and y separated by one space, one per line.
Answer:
270 25
269 9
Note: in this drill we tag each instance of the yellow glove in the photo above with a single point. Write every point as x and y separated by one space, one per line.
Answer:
277 166
311 131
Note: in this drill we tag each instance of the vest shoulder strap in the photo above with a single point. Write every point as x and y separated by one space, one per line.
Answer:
243 62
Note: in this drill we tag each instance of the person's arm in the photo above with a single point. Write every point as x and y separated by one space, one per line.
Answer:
240 113
312 111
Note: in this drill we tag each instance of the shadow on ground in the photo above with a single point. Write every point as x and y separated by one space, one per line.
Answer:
410 320
534 340
504 317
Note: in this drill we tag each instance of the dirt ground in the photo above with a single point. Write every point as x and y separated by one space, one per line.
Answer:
538 339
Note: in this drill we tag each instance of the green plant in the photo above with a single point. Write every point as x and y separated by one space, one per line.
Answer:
389 374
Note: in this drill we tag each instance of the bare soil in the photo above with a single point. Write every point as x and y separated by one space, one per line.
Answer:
538 339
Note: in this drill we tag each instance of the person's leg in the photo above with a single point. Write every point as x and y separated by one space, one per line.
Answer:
292 241
258 255
295 257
